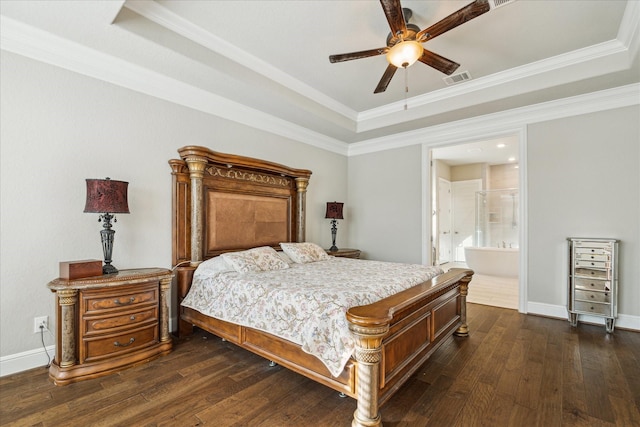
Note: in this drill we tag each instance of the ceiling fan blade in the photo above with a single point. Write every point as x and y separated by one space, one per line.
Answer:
467 13
393 11
357 55
386 78
438 62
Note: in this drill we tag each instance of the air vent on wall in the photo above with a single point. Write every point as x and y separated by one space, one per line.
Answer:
457 78
498 3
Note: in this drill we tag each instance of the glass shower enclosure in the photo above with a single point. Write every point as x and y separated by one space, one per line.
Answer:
497 213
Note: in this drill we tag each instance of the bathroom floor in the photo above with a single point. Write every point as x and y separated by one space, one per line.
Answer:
490 290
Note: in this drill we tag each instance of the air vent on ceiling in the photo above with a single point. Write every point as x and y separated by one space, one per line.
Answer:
457 78
498 3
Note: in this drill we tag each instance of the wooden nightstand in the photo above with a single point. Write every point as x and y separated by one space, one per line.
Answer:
110 322
346 253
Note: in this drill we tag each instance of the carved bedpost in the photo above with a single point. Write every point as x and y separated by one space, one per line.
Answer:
196 173
368 334
463 330
301 185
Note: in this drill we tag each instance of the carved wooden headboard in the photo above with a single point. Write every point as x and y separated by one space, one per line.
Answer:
223 202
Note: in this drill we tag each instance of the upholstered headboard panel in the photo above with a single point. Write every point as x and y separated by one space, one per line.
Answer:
223 203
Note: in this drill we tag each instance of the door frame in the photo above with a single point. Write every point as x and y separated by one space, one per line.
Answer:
464 137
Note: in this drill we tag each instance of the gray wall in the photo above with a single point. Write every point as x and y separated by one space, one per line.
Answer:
59 128
385 195
583 181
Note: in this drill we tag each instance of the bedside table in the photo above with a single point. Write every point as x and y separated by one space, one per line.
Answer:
110 322
346 253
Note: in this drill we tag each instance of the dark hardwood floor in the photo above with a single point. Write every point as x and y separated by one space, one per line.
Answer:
513 370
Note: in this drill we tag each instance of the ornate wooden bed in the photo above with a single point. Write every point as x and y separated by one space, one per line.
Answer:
225 203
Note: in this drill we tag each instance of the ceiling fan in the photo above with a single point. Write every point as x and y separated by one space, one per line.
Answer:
404 42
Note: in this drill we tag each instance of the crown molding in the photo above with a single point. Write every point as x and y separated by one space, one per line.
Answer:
169 20
505 121
589 62
614 55
42 46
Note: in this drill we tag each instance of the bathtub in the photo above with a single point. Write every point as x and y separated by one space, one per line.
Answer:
493 261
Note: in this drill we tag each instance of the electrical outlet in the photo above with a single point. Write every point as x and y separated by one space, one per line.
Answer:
40 321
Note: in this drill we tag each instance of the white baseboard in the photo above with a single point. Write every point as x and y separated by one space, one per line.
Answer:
26 360
623 321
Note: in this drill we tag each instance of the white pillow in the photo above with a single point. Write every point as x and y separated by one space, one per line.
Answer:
264 258
285 257
303 253
212 266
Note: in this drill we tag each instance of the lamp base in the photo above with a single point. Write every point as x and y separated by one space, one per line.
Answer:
109 269
333 248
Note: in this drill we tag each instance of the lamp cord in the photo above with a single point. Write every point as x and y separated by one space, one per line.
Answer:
45 347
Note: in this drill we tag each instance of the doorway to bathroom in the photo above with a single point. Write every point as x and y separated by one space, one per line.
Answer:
475 216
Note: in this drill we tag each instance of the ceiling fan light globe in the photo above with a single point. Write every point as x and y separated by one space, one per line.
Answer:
404 54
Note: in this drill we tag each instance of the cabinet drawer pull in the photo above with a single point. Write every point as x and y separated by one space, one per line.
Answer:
117 343
117 301
132 318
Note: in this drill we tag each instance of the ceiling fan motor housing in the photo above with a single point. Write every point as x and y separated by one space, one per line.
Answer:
412 30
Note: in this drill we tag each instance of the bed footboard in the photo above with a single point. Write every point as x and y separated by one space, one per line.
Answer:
396 335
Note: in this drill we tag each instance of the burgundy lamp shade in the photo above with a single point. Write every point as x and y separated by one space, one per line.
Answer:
334 210
106 196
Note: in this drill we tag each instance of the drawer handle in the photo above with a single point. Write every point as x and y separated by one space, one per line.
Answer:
117 301
591 296
132 318
117 343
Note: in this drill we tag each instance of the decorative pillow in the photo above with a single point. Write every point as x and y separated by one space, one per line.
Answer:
303 253
212 266
267 258
242 262
264 258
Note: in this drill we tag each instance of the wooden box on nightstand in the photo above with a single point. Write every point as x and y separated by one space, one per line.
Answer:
110 322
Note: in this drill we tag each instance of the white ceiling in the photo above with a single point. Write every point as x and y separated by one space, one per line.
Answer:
266 62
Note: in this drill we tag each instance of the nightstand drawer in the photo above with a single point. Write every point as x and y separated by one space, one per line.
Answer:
588 272
127 320
593 296
593 264
593 284
595 308
95 303
592 246
593 257
100 347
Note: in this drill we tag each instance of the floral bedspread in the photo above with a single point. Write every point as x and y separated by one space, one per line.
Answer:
306 303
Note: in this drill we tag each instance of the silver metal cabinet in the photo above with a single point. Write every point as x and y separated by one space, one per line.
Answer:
593 279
